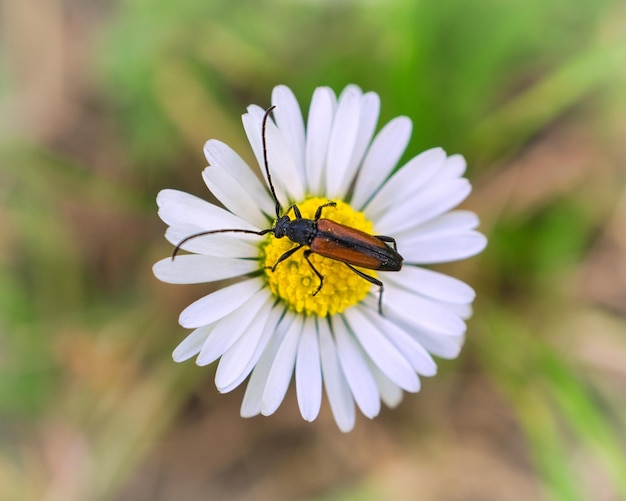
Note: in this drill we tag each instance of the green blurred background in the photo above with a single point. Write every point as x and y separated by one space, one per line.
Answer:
103 103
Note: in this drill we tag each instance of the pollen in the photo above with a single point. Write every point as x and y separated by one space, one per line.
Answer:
295 282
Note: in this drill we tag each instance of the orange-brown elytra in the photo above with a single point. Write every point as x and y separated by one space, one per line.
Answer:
321 236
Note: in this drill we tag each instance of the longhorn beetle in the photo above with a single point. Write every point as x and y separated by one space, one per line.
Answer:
322 236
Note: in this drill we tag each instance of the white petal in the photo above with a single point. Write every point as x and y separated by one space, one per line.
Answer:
357 371
192 344
390 393
411 349
218 304
252 399
282 369
352 88
265 336
454 167
388 359
432 284
442 346
424 312
252 121
226 332
406 182
341 142
231 245
383 155
431 202
431 250
370 109
337 389
285 178
451 222
235 185
234 361
288 117
309 372
434 340
196 269
177 208
319 125
464 311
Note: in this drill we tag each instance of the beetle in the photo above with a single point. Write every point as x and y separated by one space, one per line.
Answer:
322 236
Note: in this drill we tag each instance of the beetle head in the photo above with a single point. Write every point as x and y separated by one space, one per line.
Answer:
280 230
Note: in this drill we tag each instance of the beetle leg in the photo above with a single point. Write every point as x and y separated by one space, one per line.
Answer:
307 253
373 281
318 212
283 257
390 240
296 211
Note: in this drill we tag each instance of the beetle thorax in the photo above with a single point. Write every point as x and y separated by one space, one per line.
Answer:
301 231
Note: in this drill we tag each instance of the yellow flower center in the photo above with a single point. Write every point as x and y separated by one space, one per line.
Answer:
295 282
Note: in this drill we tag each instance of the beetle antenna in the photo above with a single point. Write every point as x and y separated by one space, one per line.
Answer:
210 232
279 209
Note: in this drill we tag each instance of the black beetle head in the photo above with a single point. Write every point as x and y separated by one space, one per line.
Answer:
280 230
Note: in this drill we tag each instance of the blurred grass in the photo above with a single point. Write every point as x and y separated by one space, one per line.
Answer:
531 92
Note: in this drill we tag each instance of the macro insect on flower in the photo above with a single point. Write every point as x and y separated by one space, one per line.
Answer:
316 308
322 236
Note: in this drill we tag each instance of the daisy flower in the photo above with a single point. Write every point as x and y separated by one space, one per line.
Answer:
317 319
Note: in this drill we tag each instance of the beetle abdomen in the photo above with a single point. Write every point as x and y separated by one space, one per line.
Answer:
352 246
